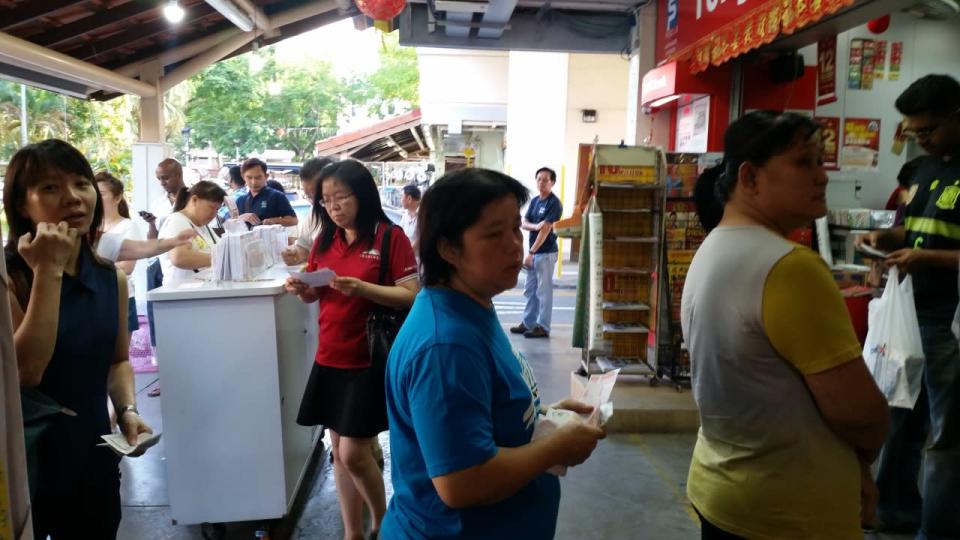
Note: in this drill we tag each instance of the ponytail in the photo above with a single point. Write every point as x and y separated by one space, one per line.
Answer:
707 198
123 209
203 189
183 196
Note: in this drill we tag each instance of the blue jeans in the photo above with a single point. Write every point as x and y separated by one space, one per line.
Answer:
539 291
154 280
936 504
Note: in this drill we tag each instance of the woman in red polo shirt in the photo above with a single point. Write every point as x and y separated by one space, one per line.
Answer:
345 392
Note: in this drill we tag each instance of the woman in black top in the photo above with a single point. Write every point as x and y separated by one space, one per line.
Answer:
69 313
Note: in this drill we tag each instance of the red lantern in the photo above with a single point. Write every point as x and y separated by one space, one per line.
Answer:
381 10
879 25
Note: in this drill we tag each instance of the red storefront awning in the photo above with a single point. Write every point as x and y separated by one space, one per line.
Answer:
710 32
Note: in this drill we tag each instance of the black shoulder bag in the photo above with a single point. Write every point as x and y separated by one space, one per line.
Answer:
384 322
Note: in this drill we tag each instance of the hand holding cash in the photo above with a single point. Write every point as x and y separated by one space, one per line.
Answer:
118 443
593 408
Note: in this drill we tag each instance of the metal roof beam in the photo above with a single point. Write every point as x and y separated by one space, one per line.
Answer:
90 23
32 10
137 32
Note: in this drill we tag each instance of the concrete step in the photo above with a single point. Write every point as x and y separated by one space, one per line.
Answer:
641 408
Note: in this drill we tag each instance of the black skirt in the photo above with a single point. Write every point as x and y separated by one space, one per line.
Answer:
350 402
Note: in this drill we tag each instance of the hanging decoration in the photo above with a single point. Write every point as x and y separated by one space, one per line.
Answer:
382 12
879 25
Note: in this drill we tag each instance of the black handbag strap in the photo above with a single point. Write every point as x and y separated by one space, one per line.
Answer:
384 255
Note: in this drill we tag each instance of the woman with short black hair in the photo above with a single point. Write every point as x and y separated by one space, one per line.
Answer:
462 402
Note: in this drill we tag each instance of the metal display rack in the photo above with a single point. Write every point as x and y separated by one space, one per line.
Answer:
623 247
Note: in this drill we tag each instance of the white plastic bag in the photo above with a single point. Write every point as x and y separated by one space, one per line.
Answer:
893 350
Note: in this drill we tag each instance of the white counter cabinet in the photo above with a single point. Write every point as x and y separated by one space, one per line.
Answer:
234 359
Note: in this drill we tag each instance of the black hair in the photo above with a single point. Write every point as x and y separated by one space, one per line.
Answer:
312 167
275 185
203 189
709 207
553 173
251 163
413 191
938 95
30 165
357 177
451 206
753 138
908 171
236 177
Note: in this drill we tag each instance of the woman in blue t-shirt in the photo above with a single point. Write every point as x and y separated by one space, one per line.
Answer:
462 402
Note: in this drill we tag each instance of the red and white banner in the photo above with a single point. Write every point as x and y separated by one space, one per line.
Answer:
827 71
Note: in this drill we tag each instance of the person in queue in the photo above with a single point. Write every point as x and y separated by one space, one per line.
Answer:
194 209
345 391
462 402
262 204
791 418
56 281
116 220
308 229
927 246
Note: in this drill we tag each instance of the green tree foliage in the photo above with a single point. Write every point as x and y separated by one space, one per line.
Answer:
102 131
394 87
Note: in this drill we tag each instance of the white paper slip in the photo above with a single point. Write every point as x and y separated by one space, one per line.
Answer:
118 443
320 278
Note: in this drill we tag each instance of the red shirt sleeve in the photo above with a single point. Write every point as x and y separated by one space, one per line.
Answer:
403 264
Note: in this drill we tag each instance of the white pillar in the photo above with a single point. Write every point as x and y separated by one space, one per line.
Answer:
536 113
642 60
147 153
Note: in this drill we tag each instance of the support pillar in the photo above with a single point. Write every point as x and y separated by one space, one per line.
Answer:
150 150
642 60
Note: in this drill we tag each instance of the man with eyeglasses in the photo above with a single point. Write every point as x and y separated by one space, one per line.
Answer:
927 246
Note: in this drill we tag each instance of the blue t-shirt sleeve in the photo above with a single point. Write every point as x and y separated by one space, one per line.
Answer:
284 208
530 208
450 392
554 211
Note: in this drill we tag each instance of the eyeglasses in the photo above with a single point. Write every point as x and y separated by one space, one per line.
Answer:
924 132
335 201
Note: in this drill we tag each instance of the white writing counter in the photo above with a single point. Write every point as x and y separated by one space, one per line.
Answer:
234 359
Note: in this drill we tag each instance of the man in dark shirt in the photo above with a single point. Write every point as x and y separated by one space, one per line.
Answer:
927 247
544 210
263 205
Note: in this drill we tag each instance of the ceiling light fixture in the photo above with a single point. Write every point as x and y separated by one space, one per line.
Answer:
173 12
255 62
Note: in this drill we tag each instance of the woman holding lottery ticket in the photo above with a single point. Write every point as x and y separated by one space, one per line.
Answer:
345 392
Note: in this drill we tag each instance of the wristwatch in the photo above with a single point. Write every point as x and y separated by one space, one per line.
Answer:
127 408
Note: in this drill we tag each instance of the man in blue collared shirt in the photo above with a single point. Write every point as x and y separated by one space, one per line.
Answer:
263 205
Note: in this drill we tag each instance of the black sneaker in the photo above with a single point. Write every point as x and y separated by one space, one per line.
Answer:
538 332
519 329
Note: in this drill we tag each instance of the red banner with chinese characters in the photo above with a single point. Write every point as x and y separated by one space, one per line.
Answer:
827 71
714 31
830 139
